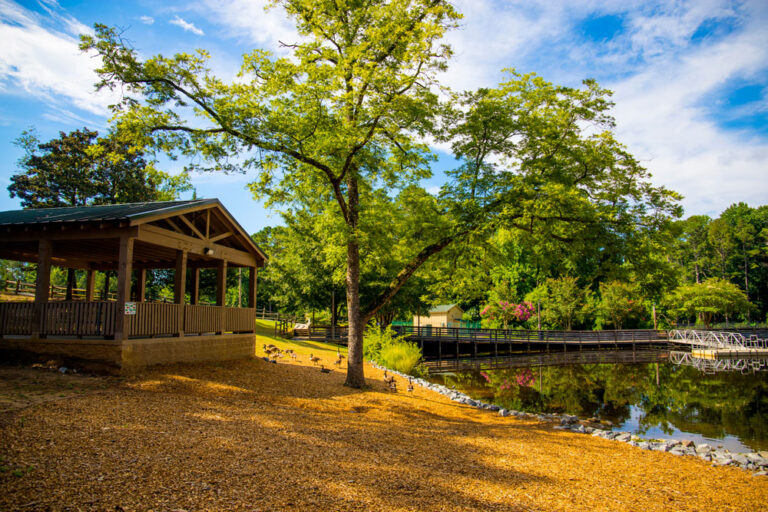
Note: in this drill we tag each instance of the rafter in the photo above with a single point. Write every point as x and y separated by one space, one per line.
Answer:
192 227
222 236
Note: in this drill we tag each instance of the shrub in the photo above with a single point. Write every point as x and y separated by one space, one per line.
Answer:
392 351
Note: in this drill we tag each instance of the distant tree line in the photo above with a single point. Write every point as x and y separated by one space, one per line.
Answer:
697 270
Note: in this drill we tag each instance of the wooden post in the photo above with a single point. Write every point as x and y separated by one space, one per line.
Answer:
221 292
253 273
70 284
240 287
124 271
141 285
90 282
179 289
180 277
194 293
42 284
221 283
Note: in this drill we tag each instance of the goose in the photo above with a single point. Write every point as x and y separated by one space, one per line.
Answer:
314 359
410 385
323 369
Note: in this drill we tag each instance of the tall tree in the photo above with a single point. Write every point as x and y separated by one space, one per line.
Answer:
79 169
342 120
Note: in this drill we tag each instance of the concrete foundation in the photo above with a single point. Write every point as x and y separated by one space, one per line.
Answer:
137 353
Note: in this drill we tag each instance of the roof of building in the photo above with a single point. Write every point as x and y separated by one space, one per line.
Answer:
444 308
133 214
106 212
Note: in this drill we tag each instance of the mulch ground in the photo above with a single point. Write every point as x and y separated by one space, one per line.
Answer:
251 435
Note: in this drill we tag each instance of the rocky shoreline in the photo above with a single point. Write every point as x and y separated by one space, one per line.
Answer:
757 462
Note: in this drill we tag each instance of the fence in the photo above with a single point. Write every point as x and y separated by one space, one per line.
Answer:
72 318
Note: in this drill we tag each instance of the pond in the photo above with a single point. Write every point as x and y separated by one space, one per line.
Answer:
719 402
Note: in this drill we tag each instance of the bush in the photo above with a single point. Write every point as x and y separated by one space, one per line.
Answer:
387 349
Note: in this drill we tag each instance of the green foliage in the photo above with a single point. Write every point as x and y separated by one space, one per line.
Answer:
336 133
80 169
563 302
619 302
392 351
709 299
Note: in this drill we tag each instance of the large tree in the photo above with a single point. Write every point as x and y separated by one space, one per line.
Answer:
79 168
343 118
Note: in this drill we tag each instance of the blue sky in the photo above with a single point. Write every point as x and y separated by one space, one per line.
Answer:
690 77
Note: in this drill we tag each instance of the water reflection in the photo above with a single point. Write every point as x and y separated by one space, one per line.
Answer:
721 401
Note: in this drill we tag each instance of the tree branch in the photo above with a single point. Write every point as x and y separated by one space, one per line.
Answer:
406 273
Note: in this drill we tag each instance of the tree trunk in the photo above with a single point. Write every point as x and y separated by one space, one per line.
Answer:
355 376
746 278
70 283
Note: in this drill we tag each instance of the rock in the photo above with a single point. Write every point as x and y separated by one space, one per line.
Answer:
760 473
705 456
494 407
644 445
568 420
740 459
703 448
677 451
624 437
687 443
503 412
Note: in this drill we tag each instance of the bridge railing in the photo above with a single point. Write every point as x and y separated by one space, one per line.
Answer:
717 340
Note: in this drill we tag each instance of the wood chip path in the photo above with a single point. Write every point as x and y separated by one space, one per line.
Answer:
256 436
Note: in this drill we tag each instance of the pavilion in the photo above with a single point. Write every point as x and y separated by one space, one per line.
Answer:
186 236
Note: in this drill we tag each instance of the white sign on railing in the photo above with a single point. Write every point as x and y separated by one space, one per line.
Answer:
130 308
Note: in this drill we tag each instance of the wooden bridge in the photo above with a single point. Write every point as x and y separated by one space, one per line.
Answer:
443 344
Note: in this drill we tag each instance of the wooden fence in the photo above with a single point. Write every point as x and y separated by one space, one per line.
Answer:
76 318
58 318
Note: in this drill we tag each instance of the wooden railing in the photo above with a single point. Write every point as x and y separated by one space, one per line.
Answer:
76 318
17 318
239 319
202 319
26 289
154 319
58 318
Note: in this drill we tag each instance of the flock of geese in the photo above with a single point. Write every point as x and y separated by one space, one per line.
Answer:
273 353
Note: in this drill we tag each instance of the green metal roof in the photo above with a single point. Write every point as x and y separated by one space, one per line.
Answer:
443 308
107 212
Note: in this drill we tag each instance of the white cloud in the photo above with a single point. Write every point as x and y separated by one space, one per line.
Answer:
46 63
147 20
661 80
252 21
663 120
187 26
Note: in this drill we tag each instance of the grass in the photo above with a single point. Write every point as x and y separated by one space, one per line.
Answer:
327 352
